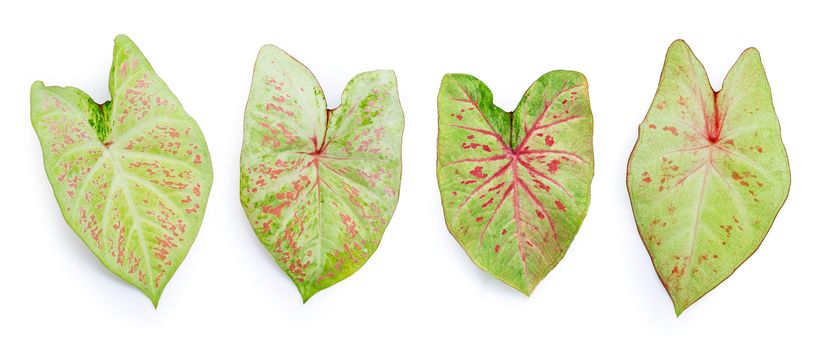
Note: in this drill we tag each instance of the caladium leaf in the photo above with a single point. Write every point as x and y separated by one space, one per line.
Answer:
515 186
132 175
708 173
319 186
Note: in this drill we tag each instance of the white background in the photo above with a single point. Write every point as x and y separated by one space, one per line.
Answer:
419 290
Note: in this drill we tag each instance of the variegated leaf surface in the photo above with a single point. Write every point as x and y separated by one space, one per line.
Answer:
708 174
319 186
131 175
515 186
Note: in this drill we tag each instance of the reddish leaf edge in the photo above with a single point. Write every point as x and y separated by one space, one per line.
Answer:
533 286
172 271
679 308
307 294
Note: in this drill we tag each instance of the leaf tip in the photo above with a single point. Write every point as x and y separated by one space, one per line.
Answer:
35 95
36 87
123 41
378 76
456 76
751 52
268 49
122 38
580 76
679 43
154 297
459 82
677 46
306 295
679 307
153 294
388 73
523 287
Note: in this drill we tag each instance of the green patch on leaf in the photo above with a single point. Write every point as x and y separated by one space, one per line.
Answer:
319 186
515 186
708 174
132 175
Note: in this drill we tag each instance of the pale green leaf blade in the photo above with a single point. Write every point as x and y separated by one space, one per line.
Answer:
286 104
131 176
515 187
320 199
708 174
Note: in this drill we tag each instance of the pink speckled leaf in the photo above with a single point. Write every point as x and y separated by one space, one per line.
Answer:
515 186
319 186
131 176
708 173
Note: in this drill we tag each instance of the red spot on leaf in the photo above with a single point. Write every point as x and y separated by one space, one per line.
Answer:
539 184
473 145
478 172
277 210
349 224
552 167
735 176
646 177
738 177
484 205
671 129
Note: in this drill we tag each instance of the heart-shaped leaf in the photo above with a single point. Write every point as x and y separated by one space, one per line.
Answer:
132 175
708 173
515 186
319 186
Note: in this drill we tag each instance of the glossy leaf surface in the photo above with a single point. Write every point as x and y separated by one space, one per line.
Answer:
319 186
515 186
708 173
131 176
